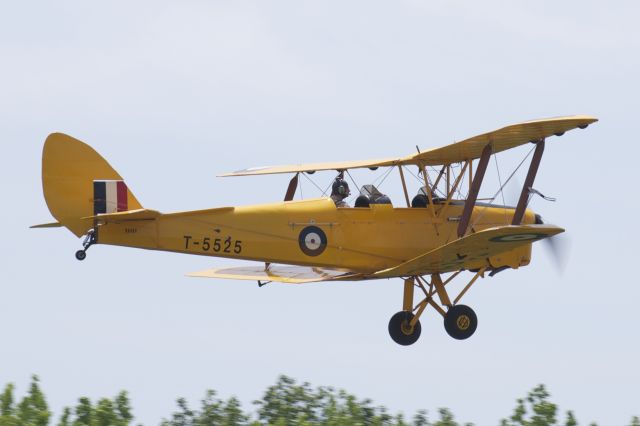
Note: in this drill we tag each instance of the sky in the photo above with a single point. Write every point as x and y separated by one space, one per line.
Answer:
174 93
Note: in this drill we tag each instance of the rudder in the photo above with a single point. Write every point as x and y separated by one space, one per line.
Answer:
78 183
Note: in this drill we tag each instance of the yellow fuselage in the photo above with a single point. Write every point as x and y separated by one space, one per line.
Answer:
357 239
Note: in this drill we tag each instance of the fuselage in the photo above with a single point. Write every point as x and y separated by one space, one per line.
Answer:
315 233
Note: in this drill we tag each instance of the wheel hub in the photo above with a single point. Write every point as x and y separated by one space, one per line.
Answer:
463 322
406 328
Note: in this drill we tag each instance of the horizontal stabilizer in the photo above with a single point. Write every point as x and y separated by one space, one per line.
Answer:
278 273
130 215
214 211
471 248
47 225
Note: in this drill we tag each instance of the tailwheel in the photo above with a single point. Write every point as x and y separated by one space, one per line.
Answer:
89 240
460 322
401 330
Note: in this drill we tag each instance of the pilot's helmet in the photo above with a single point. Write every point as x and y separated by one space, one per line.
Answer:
340 188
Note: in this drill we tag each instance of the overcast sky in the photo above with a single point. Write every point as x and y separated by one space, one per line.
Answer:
173 93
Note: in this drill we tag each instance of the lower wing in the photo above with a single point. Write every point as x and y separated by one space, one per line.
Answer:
278 273
471 248
453 256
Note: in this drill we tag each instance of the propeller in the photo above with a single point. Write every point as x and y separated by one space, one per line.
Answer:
558 248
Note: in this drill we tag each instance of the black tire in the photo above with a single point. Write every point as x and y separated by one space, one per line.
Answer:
460 322
81 255
398 329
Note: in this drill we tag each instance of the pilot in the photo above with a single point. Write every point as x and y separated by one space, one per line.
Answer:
340 191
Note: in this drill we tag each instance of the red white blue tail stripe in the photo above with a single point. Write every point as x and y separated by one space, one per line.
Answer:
109 196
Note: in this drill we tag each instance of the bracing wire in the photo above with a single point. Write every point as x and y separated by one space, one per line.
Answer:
419 178
495 158
352 180
385 176
502 187
316 185
452 178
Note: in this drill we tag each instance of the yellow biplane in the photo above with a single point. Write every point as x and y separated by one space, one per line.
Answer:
444 229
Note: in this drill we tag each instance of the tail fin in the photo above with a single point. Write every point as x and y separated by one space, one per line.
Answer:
78 183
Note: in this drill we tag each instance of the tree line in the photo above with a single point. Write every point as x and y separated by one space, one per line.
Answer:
286 403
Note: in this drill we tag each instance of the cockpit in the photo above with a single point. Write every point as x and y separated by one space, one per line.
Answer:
369 194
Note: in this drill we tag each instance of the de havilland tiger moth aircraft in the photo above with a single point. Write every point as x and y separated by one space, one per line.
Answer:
441 232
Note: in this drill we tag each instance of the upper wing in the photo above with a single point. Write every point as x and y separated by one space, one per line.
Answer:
468 149
473 247
295 168
502 139
278 273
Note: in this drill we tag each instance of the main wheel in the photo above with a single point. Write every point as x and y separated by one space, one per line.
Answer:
401 331
460 322
81 255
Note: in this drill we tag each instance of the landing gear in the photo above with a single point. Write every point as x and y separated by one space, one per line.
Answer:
404 327
401 330
89 240
460 322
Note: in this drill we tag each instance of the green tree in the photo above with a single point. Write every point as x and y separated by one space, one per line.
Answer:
233 414
104 413
7 408
446 418
33 409
287 402
421 419
284 404
65 418
571 420
123 408
399 420
83 413
211 412
536 410
183 417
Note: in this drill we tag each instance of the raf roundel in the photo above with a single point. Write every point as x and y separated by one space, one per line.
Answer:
517 237
312 241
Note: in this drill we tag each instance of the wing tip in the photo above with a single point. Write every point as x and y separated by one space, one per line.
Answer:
578 117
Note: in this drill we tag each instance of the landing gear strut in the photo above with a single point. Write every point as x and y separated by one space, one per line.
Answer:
460 321
89 240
